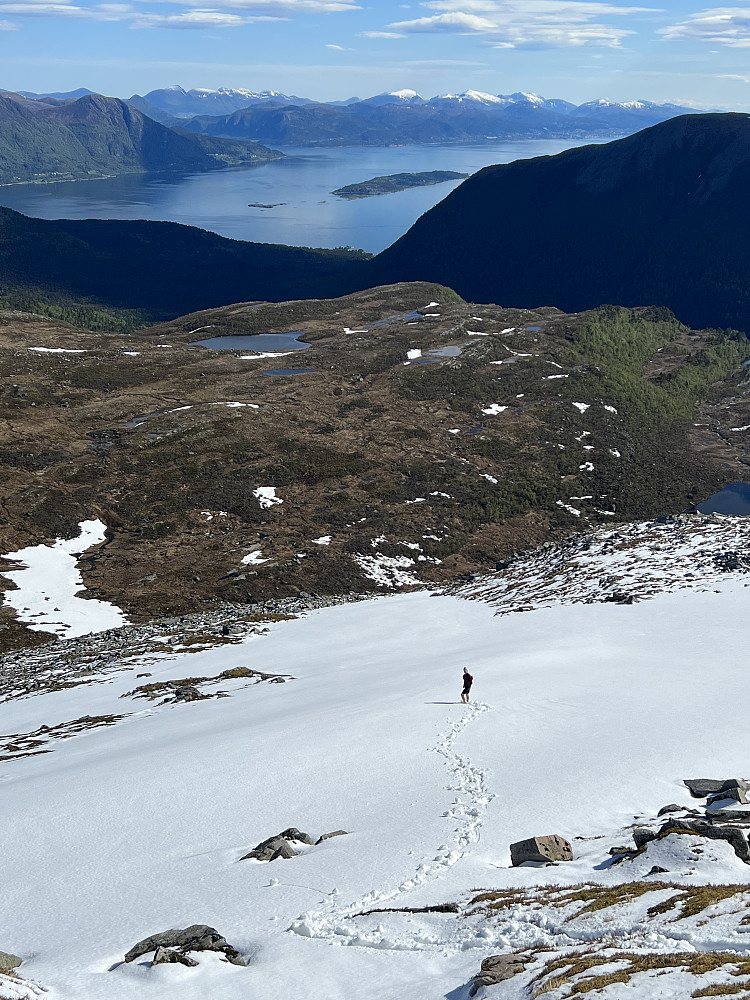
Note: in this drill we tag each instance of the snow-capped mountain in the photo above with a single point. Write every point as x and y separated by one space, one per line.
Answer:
396 97
225 100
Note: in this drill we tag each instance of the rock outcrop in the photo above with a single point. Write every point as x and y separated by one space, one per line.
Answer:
197 937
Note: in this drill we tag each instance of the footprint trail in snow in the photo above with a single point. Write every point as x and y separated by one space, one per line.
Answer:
469 783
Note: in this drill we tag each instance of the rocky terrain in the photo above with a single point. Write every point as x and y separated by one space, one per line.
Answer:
416 438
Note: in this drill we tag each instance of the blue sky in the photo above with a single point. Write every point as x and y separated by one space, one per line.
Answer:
682 51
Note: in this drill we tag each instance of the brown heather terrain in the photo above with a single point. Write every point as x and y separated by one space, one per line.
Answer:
361 449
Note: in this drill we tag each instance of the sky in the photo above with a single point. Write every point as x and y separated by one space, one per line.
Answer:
681 50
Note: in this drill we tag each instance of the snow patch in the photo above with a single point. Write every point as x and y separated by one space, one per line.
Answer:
323 540
266 496
388 571
48 580
582 406
57 350
493 409
253 559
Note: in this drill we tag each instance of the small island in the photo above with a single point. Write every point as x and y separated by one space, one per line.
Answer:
397 182
262 204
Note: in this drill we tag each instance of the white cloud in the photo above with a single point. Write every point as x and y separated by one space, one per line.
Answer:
336 48
456 22
194 17
525 23
189 19
381 34
728 26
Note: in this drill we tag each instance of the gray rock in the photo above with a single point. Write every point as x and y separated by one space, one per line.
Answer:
643 835
671 808
657 870
616 851
294 834
731 816
197 937
737 793
165 956
497 969
327 836
270 850
8 961
699 788
548 848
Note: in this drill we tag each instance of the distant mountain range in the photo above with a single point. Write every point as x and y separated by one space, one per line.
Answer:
404 117
93 136
401 117
659 218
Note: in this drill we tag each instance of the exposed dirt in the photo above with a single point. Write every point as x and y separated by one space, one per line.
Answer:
389 459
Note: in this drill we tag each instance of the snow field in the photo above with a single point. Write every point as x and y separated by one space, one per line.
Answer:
586 716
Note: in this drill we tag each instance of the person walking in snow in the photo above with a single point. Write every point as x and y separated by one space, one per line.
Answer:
468 680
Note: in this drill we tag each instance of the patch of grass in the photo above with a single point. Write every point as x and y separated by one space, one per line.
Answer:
567 970
720 990
695 900
600 897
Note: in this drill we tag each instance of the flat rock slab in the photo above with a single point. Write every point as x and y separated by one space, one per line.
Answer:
699 788
197 937
541 849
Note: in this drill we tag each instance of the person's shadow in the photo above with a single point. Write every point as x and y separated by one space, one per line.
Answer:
442 703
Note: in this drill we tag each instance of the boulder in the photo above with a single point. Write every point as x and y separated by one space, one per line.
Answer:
498 968
699 788
166 956
197 937
8 961
541 849
615 852
327 836
271 850
292 833
643 835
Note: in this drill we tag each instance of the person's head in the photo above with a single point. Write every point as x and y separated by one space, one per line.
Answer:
466 670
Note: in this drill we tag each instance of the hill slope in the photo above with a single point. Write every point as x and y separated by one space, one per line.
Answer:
417 438
153 270
98 136
660 218
566 734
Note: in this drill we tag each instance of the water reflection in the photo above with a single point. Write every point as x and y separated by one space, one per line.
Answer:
221 200
733 499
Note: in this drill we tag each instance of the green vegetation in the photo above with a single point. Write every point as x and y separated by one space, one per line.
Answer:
98 136
397 182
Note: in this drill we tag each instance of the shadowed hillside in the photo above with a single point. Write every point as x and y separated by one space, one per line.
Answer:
659 218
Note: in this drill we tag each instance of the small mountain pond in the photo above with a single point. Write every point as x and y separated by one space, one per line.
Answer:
259 342
734 498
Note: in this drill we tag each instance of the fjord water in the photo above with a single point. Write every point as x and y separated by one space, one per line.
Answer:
309 214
